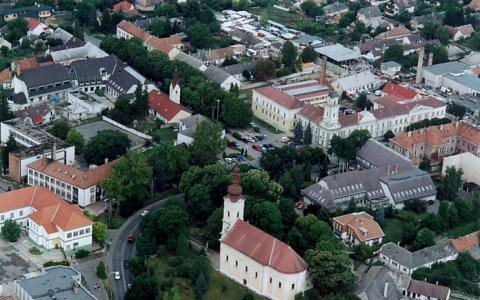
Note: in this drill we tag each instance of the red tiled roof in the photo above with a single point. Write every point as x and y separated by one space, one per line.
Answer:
72 175
263 248
26 63
159 44
429 290
389 100
133 30
33 23
37 119
279 97
397 90
312 112
393 33
162 104
362 224
5 75
466 242
123 6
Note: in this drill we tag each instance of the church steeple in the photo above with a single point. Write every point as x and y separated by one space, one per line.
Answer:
233 202
330 113
174 93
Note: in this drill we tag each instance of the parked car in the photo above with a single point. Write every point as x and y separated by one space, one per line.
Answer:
260 137
299 204
125 263
285 140
256 147
229 160
116 275
252 139
144 213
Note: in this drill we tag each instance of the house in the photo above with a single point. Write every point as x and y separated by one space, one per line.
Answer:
474 5
237 70
393 7
358 228
374 49
146 5
371 16
424 290
187 128
436 142
460 32
190 60
83 105
222 77
71 54
358 82
246 38
21 65
218 56
73 42
124 82
92 74
435 17
168 108
334 9
123 7
388 178
59 282
433 75
40 11
42 113
390 68
466 242
50 82
381 283
37 28
5 79
397 32
401 260
77 186
399 91
254 258
304 40
50 221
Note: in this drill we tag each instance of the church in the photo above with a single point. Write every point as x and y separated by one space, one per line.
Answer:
253 257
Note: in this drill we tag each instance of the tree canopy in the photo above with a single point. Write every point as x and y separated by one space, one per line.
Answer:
107 144
207 143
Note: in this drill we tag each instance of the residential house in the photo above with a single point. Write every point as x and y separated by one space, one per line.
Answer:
218 56
21 65
124 82
254 258
40 11
418 289
71 54
42 113
123 7
77 186
187 128
36 28
435 17
246 38
58 282
222 77
460 32
358 228
304 40
51 222
397 32
237 70
474 5
167 108
381 283
371 16
190 60
334 9
400 259
467 242
436 142
374 49
5 79
393 7
390 68
74 42
146 5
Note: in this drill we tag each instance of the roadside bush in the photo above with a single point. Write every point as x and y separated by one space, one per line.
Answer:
101 272
82 253
52 263
174 261
236 135
35 251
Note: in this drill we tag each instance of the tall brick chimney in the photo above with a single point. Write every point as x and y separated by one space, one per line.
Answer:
418 79
323 71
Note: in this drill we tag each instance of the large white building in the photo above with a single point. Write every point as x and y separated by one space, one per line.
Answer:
329 121
74 185
51 222
254 258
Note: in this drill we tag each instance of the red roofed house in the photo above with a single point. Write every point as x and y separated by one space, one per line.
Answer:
418 289
123 6
36 28
168 108
5 78
72 184
358 228
51 222
254 258
399 91
461 32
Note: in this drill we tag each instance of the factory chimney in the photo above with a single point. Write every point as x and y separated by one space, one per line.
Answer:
430 58
54 151
323 74
420 65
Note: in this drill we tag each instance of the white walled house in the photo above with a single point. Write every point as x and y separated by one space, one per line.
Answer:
168 109
51 222
74 185
358 228
254 258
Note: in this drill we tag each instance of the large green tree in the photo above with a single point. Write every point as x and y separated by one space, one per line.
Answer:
289 55
393 53
264 70
257 182
451 182
200 36
171 223
423 239
11 146
235 112
309 54
60 130
76 139
5 112
169 162
207 143
11 231
266 216
307 232
307 135
143 287
107 144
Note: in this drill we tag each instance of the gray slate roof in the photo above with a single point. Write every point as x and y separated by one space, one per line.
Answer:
433 17
189 60
448 67
90 69
409 185
370 12
379 155
193 121
37 110
334 7
44 75
239 68
216 74
372 284
26 11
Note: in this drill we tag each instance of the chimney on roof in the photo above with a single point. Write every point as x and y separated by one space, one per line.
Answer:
418 79
441 127
396 168
323 71
430 58
75 287
54 151
456 123
106 160
409 134
388 169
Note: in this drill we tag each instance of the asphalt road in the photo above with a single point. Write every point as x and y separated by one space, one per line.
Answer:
120 250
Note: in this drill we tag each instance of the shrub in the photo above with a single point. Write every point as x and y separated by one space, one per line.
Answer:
223 289
183 271
11 231
101 272
174 261
170 273
81 253
236 135
166 285
248 296
52 263
35 251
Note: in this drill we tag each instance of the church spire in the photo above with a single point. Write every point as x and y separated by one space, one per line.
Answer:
174 93
235 189
233 202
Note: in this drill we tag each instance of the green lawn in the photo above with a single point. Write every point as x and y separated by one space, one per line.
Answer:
219 286
270 13
393 230
164 135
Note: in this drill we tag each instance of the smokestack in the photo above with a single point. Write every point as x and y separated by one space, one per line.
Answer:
430 58
106 160
323 74
385 290
54 151
420 65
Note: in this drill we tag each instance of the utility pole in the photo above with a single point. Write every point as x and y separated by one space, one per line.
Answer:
218 108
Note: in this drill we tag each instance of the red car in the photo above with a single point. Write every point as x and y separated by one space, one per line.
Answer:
257 147
130 238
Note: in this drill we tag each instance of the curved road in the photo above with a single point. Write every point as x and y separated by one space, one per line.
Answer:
121 250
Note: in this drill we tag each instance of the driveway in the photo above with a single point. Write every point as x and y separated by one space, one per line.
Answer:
12 263
88 269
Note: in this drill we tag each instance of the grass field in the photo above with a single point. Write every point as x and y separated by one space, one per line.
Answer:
271 13
219 286
393 226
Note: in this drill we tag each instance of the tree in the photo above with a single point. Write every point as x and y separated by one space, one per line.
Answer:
309 54
99 232
298 133
454 14
289 55
199 205
200 287
311 8
11 146
393 53
169 162
92 19
5 112
456 110
380 215
129 183
76 139
362 252
388 135
235 112
122 111
101 271
16 30
362 102
140 105
60 130
403 16
451 182
266 216
423 239
11 231
425 166
143 287
213 228
207 143
171 222
330 271
307 135
440 54
264 70
409 232
307 231
200 36
136 265
257 182
107 23
107 144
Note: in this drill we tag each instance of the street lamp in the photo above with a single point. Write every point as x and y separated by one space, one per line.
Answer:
218 108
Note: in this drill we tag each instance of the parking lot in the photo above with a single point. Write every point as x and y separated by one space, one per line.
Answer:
12 264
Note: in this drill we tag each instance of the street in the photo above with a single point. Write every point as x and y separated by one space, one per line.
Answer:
120 250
